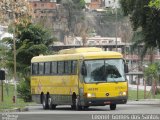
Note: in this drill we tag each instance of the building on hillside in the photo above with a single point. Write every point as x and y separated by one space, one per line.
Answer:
44 11
69 40
111 3
51 15
94 4
91 41
98 4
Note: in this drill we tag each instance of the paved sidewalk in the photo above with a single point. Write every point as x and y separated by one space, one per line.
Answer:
144 101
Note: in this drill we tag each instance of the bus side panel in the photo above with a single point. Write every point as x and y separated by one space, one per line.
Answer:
60 88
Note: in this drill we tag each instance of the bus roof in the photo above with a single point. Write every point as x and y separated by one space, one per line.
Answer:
80 50
78 53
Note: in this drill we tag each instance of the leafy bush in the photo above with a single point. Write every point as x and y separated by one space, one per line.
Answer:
23 90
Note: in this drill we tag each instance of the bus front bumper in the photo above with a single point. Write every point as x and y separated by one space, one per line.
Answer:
104 101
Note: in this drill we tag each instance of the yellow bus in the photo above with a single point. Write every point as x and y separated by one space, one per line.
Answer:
80 77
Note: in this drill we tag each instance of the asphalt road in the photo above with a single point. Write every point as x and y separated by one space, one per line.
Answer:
121 109
126 111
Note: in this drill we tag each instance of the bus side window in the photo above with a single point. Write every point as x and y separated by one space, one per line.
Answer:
67 65
47 68
54 68
41 68
34 68
61 67
74 67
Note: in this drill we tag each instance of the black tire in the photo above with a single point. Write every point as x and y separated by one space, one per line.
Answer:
86 107
45 102
112 106
41 98
50 104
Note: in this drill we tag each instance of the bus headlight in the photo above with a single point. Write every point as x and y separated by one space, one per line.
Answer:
122 93
91 95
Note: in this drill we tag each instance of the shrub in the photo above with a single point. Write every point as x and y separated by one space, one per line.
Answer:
23 90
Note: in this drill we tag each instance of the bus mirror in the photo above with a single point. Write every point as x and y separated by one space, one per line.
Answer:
126 68
84 70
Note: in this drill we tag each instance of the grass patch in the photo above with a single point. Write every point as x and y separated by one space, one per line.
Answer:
132 95
8 102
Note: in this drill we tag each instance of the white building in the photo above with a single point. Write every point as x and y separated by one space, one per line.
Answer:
98 40
112 3
91 41
73 40
87 1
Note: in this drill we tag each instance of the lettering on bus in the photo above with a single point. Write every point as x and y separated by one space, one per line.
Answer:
120 87
93 89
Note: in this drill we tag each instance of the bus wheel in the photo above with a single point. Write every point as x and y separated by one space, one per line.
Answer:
86 107
112 106
50 104
45 102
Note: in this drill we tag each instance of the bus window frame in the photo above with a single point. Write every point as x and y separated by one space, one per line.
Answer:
73 63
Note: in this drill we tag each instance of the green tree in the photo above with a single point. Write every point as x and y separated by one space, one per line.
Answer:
144 17
145 22
152 73
155 3
3 49
31 40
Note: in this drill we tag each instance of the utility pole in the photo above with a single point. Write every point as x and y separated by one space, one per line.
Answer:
116 25
14 52
2 90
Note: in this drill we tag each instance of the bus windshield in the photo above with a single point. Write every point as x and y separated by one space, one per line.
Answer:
106 70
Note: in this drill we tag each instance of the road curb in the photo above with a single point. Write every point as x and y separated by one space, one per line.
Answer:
17 110
145 101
